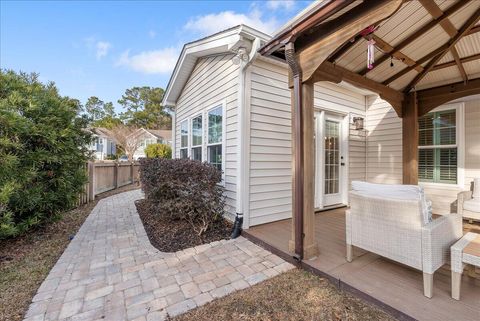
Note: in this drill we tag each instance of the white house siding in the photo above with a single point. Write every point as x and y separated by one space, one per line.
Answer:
472 140
270 185
270 144
213 81
357 169
384 151
384 142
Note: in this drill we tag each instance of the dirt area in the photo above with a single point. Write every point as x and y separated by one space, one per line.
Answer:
293 296
172 236
25 261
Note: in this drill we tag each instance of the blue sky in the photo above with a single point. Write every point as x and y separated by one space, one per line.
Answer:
101 48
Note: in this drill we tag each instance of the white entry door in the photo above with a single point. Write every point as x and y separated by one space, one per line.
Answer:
330 159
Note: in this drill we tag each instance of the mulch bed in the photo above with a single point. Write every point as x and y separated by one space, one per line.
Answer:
291 296
171 236
25 261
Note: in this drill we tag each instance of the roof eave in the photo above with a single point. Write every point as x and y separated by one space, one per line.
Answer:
224 41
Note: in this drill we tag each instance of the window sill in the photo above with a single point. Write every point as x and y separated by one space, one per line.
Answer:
441 186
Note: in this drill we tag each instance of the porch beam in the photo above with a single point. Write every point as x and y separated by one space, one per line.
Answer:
386 47
447 25
410 140
473 31
340 30
463 30
417 34
428 99
453 63
315 18
459 64
334 73
420 61
340 51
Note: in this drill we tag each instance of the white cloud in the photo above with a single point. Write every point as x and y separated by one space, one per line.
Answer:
98 47
150 62
152 34
102 48
215 22
280 4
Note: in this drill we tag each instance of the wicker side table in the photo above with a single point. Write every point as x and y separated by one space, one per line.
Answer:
464 251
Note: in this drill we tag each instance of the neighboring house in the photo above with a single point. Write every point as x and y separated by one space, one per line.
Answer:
233 109
152 136
103 145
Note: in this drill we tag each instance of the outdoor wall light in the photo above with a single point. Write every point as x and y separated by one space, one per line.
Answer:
358 123
241 56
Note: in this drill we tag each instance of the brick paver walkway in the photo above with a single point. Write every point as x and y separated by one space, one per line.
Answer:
110 271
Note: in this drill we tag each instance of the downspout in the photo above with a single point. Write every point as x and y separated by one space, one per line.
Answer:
244 60
298 150
174 133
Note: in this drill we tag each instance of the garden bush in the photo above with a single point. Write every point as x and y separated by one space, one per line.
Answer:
158 151
183 189
43 147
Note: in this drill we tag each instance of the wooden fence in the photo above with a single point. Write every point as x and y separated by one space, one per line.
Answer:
107 176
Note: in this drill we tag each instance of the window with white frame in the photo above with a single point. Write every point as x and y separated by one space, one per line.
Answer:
215 137
438 147
184 139
197 132
99 144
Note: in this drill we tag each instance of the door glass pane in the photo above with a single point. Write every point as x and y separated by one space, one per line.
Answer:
332 156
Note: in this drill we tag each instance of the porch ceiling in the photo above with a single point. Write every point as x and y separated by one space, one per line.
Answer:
431 43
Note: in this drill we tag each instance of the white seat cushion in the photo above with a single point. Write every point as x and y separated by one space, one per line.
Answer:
472 205
396 191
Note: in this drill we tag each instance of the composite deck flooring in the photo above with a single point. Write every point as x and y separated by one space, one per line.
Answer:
394 284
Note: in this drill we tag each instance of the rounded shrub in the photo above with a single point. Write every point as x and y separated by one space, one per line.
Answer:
183 189
158 151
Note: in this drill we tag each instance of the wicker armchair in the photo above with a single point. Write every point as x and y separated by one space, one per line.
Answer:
467 206
395 229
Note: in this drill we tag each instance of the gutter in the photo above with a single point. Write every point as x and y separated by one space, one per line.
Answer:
244 60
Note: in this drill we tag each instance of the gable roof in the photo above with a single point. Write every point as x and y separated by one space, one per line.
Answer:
101 132
225 41
165 134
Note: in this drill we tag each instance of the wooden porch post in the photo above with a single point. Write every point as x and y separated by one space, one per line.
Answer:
410 139
310 247
303 178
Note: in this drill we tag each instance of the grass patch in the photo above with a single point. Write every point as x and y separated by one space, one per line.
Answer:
292 296
26 260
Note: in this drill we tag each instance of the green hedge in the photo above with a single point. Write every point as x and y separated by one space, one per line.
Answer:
43 147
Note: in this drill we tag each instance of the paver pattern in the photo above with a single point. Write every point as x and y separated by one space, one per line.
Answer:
110 271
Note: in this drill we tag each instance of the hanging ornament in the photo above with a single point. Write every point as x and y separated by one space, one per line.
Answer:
391 61
370 53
